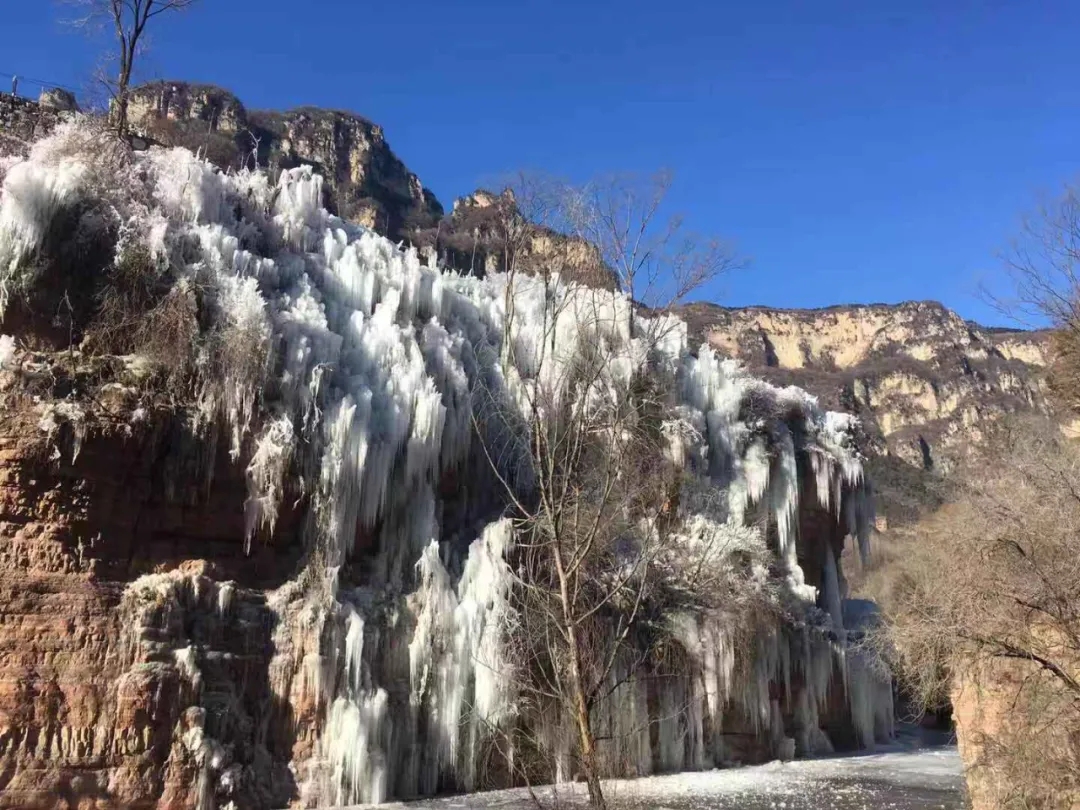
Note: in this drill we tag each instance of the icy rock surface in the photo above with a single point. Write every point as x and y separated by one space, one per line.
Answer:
382 376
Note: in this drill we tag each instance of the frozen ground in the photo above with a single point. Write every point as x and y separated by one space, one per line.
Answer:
908 776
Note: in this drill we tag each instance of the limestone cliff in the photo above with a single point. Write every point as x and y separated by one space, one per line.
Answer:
366 182
924 382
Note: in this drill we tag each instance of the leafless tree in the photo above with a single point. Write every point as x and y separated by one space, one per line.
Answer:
1043 266
658 262
588 468
129 20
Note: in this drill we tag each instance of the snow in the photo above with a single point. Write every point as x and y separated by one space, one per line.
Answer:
356 378
33 194
902 778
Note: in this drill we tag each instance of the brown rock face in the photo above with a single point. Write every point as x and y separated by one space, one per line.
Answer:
135 640
924 381
366 182
23 121
995 709
486 233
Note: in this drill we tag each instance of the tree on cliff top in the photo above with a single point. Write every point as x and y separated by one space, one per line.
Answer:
129 20
1043 265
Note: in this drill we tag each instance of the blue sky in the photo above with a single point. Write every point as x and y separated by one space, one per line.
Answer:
854 151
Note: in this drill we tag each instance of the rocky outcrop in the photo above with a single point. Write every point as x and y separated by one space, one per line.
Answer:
134 628
925 382
487 233
366 182
1019 748
23 120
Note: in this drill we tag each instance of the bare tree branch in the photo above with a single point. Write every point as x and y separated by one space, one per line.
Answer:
129 20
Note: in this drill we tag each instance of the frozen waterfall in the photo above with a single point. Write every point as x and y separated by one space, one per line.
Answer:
386 374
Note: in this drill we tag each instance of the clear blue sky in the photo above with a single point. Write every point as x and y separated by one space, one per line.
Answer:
855 151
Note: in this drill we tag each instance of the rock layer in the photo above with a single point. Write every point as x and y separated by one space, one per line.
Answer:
96 705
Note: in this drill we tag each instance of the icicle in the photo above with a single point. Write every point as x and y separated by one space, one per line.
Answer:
357 733
831 588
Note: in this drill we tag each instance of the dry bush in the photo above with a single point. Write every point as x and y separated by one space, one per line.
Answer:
985 610
142 310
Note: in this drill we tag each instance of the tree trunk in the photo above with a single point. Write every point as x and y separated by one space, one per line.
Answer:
122 113
122 84
588 751
580 707
586 740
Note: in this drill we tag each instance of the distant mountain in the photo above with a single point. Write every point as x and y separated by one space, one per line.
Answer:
925 382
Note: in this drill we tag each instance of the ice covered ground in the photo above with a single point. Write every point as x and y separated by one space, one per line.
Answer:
910 775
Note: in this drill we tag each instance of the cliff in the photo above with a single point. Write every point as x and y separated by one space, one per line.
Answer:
487 233
366 182
112 590
256 551
24 120
923 381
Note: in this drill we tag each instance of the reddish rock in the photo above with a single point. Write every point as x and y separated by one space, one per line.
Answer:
94 697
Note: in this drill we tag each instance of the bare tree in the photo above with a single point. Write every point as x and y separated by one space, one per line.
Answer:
129 19
590 474
657 261
1043 266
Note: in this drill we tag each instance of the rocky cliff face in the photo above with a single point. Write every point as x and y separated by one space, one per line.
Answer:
924 381
366 182
486 233
133 629
23 120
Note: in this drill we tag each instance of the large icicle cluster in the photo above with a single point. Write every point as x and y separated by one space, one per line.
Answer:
383 371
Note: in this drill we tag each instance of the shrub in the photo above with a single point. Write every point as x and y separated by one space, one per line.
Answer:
985 610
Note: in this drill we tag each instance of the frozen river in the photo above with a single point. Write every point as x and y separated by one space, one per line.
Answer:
906 777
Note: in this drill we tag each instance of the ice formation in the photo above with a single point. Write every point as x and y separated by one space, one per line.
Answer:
7 350
380 376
